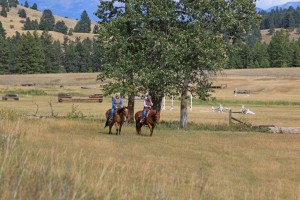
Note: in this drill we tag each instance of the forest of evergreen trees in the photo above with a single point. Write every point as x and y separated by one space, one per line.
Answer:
281 18
32 53
279 53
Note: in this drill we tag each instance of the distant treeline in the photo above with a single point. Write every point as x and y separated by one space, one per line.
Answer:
281 18
32 53
279 53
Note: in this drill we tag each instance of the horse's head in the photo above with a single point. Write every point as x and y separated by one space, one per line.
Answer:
123 111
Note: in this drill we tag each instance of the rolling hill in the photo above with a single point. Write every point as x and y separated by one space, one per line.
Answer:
13 23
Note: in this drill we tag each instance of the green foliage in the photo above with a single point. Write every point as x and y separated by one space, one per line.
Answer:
26 5
75 113
2 31
280 18
53 51
29 54
95 29
3 12
61 27
84 24
22 13
34 6
32 92
47 21
4 54
175 47
31 24
279 50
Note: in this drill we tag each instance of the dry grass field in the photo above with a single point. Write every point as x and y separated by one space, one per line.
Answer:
12 23
69 158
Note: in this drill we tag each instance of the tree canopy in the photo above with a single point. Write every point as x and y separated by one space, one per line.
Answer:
166 46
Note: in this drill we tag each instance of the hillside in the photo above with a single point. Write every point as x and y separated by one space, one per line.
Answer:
13 23
266 37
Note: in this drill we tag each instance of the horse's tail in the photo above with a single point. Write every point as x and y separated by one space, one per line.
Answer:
106 123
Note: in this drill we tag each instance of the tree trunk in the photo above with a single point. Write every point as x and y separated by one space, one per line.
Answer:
156 100
131 108
183 107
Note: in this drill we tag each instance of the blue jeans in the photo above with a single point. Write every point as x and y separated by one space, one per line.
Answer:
111 114
144 113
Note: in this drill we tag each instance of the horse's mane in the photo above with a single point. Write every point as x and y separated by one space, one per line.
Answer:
119 111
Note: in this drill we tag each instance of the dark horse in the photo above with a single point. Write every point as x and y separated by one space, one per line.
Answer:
150 120
118 119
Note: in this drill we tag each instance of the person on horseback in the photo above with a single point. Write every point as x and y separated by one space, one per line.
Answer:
116 104
147 106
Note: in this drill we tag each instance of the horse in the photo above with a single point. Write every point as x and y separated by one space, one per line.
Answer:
119 117
150 120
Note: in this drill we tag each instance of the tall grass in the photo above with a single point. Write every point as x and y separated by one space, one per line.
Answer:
73 159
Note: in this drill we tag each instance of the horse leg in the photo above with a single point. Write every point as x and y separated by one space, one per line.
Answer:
120 129
138 127
109 132
117 128
151 130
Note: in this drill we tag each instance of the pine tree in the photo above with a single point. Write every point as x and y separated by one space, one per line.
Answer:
84 24
2 31
22 13
13 3
61 27
47 21
3 12
34 7
27 24
4 55
26 5
52 52
296 54
279 50
30 55
96 56
70 57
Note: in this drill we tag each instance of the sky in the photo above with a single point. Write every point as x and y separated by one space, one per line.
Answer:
265 4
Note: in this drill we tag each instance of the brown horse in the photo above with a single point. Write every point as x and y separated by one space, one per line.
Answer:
150 120
119 117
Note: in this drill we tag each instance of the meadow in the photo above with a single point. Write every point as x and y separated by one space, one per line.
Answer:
75 158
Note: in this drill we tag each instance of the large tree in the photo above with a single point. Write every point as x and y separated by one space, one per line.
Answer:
169 46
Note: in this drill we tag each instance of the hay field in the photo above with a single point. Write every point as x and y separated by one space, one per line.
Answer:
12 23
275 95
77 159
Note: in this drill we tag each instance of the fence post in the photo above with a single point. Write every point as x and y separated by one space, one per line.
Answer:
230 116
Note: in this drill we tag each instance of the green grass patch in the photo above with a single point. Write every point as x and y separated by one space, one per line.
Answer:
32 92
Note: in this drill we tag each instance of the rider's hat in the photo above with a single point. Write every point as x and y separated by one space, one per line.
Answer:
117 94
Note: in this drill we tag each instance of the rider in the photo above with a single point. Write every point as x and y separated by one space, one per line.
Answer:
147 106
116 103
